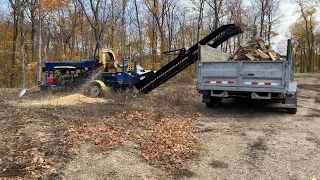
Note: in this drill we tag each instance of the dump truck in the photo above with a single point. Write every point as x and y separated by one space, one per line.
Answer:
261 79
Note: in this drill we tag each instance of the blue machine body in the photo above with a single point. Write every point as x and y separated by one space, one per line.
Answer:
121 78
51 67
81 71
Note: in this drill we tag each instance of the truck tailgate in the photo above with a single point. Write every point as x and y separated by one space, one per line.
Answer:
242 76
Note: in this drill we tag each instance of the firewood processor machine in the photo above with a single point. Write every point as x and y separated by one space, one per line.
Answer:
104 70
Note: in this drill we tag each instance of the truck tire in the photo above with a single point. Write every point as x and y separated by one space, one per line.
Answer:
213 101
209 105
292 110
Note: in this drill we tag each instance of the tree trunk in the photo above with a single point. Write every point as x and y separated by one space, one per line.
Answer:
309 37
305 60
82 37
16 17
39 63
318 57
140 32
123 28
33 38
153 39
269 26
91 53
263 7
200 17
22 58
4 56
216 14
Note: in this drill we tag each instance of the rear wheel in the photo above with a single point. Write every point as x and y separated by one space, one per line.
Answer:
213 101
292 110
209 104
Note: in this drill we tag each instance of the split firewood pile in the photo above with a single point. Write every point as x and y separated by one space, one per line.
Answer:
256 49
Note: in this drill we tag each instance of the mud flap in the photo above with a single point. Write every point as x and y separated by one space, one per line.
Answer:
291 102
206 98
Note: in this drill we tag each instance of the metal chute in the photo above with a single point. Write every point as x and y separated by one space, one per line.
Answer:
23 91
108 59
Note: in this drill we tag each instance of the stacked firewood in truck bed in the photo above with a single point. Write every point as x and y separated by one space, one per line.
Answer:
256 49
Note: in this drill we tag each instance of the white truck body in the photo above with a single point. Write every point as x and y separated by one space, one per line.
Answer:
250 79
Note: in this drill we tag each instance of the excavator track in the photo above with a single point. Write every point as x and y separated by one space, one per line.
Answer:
185 59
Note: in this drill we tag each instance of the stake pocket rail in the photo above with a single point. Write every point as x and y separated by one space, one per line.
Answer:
147 83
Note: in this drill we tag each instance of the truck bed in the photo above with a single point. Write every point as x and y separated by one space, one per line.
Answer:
219 78
250 76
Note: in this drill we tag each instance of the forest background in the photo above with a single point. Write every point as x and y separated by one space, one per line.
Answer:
34 31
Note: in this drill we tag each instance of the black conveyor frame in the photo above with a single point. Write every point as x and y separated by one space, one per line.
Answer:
214 39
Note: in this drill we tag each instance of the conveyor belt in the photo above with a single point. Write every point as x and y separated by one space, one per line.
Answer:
185 59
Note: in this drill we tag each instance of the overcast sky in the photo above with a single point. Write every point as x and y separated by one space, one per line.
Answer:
290 15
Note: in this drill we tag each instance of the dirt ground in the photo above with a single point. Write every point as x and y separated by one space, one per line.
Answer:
167 134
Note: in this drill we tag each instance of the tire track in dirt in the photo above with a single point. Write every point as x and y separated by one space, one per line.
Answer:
260 143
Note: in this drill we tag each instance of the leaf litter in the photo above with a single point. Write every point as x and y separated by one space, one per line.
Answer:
155 122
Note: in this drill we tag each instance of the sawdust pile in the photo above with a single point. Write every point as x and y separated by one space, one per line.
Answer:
72 99
75 99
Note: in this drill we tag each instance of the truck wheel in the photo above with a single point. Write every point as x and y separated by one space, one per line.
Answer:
213 101
217 100
209 105
292 110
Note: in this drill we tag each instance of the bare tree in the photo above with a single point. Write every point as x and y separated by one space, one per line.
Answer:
123 26
273 17
22 45
200 19
39 62
159 11
171 18
32 8
263 7
140 31
4 53
309 32
17 7
95 21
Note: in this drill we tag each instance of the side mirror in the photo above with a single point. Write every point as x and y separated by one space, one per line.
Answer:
296 64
